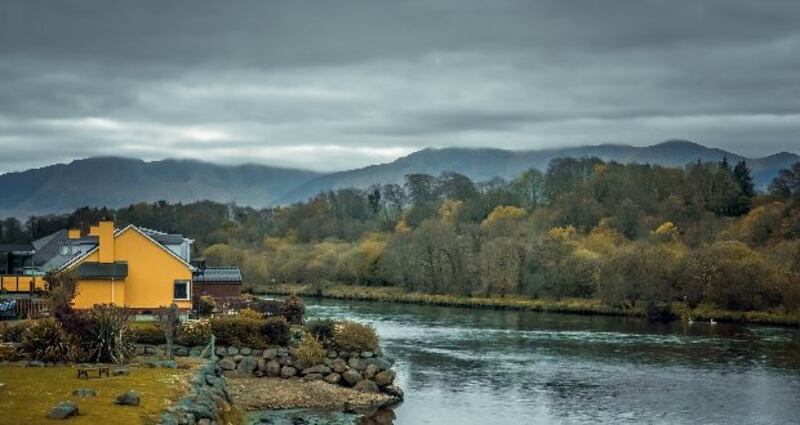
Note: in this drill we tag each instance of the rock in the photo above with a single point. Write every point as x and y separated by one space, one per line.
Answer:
333 378
84 392
282 351
339 366
63 410
227 364
258 373
382 363
128 398
245 351
232 351
247 365
261 364
351 377
139 350
204 421
313 377
367 386
221 351
356 364
273 368
237 358
285 361
320 369
344 354
36 363
121 371
332 354
257 353
270 353
181 351
393 390
370 371
367 354
195 352
288 372
384 378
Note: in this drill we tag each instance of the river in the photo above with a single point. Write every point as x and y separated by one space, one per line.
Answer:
493 367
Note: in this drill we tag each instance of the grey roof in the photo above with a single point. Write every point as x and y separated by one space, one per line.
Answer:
164 238
218 274
103 270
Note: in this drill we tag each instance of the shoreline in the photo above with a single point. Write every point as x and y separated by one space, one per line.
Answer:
591 307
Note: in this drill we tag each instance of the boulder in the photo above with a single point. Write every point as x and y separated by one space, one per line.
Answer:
288 372
313 377
382 363
370 371
36 363
319 369
339 366
332 354
261 364
367 354
84 392
139 350
63 410
237 358
245 351
227 364
333 378
385 378
204 421
367 386
221 351
121 371
257 353
393 390
270 353
181 351
273 368
351 377
128 398
232 351
356 364
195 352
247 365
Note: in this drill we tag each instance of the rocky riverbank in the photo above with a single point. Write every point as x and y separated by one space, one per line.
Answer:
278 393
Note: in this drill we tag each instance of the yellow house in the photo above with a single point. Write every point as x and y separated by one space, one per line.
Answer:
129 267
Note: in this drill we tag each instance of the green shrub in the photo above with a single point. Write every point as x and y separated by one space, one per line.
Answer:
238 331
108 338
205 305
293 309
276 331
267 307
47 341
250 314
324 330
147 333
310 351
355 337
194 333
8 353
12 332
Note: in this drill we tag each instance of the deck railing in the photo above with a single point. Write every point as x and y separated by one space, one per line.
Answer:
22 283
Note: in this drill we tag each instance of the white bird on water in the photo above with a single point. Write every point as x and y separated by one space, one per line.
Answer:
712 321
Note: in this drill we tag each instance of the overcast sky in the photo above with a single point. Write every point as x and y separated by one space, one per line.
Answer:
330 85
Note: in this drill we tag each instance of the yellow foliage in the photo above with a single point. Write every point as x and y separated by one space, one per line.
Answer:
502 213
310 351
667 232
449 210
565 234
402 227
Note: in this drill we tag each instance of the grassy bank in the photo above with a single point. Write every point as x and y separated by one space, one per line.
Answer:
570 306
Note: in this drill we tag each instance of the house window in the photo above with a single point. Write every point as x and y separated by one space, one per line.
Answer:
181 290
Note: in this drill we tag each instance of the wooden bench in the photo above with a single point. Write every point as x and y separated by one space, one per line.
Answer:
83 372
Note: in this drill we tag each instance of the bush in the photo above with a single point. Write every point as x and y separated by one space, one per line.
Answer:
8 353
267 307
310 351
205 305
293 309
147 333
355 337
194 333
12 332
323 330
275 331
47 341
250 314
238 331
108 338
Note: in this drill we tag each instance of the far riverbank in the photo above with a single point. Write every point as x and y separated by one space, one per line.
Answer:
583 306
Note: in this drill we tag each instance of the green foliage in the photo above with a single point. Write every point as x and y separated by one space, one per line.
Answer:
13 331
276 331
323 330
205 305
250 314
147 333
355 337
62 291
294 310
238 331
194 333
108 337
47 341
310 351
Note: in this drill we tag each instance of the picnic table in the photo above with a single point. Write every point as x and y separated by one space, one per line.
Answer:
83 371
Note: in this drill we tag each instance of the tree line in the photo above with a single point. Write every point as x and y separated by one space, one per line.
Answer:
629 234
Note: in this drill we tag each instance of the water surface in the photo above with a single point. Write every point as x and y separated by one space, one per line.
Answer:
491 367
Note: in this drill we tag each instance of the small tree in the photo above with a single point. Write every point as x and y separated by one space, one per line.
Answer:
107 338
170 321
293 309
62 291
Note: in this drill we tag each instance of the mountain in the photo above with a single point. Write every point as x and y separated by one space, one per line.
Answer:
116 182
486 163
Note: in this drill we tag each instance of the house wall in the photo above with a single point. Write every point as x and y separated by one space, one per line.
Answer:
152 272
217 289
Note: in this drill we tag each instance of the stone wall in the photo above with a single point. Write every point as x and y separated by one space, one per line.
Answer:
204 403
366 371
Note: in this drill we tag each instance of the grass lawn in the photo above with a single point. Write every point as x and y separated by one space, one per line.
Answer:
30 392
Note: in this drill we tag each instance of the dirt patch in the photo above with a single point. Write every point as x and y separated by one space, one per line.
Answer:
277 393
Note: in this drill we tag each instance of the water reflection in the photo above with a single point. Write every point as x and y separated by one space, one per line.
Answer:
461 366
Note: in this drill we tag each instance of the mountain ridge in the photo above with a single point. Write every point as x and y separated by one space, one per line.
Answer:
118 181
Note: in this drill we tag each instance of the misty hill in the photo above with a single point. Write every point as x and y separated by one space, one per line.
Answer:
116 182
484 164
